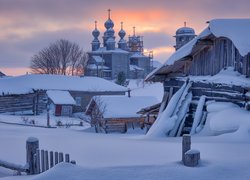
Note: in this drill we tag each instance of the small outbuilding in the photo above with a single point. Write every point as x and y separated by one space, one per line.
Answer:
62 102
117 113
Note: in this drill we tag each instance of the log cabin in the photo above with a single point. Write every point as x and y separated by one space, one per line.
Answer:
28 93
214 65
117 113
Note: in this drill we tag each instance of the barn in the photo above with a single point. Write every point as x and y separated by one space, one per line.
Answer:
214 66
31 93
117 113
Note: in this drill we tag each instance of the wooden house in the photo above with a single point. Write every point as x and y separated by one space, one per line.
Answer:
28 93
117 113
215 64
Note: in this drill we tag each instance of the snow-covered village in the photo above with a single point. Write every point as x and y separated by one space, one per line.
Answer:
144 90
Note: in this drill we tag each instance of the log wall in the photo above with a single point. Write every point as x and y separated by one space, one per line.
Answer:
210 59
32 102
121 125
219 92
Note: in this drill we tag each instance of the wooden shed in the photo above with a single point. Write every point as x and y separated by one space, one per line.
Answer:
63 102
117 113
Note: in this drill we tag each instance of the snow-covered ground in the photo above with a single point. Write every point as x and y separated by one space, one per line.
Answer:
122 156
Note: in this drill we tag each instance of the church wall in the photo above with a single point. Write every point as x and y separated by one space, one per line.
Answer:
120 63
144 62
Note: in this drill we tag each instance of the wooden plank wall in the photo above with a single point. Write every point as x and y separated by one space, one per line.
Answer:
210 59
14 103
24 102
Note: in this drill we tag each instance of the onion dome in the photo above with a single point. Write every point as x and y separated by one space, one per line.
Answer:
95 32
122 33
185 30
109 23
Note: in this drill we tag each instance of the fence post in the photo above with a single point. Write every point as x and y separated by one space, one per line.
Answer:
51 159
42 158
56 158
186 145
60 157
38 160
67 158
46 160
32 144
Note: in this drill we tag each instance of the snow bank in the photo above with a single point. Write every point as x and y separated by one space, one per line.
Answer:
226 120
219 106
226 117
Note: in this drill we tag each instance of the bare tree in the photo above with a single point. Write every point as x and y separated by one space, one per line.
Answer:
98 110
61 57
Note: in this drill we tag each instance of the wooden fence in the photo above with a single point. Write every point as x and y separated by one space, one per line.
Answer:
37 161
45 159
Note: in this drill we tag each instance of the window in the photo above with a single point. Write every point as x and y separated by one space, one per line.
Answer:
78 101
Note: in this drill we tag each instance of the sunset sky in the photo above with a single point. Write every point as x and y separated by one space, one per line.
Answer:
27 26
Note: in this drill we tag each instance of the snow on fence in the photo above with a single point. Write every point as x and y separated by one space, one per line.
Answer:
37 160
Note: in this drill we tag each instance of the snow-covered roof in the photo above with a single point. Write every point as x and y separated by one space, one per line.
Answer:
28 83
124 106
225 76
98 59
94 66
60 97
156 64
185 31
236 30
138 55
134 67
104 50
